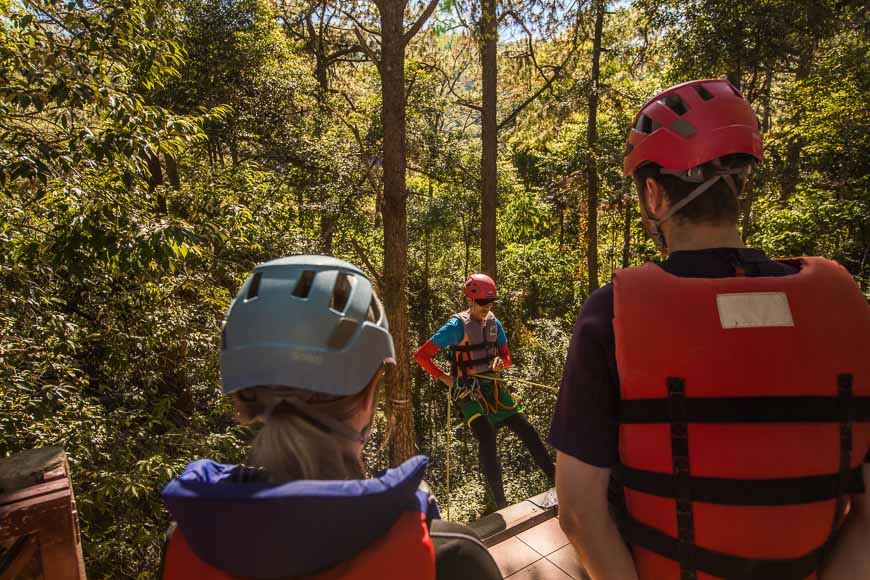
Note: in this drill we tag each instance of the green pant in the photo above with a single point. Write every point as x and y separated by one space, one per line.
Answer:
482 397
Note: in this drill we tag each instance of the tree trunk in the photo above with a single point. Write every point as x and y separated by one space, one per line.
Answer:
791 172
626 226
392 70
748 195
488 136
172 172
592 165
155 179
321 74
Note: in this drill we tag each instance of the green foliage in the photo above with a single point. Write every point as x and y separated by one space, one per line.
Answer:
151 153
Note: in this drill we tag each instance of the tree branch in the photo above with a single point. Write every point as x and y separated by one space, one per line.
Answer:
548 82
451 83
365 47
364 258
415 28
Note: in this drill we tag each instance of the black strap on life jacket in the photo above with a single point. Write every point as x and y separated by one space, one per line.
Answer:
680 464
680 411
745 492
720 564
847 420
808 409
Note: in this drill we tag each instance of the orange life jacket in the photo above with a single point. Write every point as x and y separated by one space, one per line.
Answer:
744 414
478 347
405 551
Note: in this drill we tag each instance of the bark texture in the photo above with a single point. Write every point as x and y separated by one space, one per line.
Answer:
592 164
398 379
489 137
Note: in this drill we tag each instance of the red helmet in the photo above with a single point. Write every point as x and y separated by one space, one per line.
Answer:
691 124
480 287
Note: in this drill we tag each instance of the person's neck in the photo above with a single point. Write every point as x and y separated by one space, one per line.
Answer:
689 236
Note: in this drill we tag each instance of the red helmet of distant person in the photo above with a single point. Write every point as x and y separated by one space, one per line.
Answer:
691 124
480 287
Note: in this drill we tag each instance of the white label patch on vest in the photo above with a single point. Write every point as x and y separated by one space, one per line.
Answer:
754 310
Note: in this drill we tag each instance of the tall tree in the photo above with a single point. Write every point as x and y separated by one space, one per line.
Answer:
320 29
391 67
488 135
551 17
592 164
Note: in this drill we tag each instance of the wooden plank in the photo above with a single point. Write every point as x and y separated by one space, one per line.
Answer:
510 521
19 520
35 491
19 556
29 467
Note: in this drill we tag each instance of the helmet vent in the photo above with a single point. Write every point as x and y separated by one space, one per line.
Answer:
374 313
303 285
341 291
646 125
342 334
735 91
254 287
676 104
702 92
683 127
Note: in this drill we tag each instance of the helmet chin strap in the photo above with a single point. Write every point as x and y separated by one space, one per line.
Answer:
693 175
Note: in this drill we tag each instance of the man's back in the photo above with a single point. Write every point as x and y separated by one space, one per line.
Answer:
667 352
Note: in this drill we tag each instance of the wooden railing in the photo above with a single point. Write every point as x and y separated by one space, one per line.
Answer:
39 532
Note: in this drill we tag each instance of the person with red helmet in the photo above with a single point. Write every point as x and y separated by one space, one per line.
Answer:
478 344
713 418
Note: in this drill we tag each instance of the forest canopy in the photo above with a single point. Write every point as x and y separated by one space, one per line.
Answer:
153 151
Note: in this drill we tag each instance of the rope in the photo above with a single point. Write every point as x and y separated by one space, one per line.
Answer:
449 432
499 379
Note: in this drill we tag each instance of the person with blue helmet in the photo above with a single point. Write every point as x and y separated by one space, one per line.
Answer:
303 348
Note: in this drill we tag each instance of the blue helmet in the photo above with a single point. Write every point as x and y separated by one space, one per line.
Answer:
307 322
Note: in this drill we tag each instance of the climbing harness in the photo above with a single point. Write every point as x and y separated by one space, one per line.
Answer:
471 388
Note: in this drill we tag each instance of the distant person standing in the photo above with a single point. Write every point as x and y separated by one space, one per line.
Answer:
477 344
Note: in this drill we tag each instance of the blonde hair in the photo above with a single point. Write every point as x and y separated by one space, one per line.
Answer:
292 445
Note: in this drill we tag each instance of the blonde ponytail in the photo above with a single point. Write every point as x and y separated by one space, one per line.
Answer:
291 445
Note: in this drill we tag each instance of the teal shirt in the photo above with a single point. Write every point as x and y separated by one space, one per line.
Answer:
452 333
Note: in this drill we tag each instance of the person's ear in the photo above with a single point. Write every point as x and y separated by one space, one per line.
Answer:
656 198
372 391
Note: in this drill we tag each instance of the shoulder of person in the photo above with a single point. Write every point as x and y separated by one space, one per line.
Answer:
460 553
599 303
458 319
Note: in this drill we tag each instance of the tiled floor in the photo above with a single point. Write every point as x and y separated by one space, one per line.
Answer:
539 553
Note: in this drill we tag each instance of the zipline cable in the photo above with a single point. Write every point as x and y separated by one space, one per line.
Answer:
502 379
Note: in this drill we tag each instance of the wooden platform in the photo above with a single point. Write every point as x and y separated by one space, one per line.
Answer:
527 544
